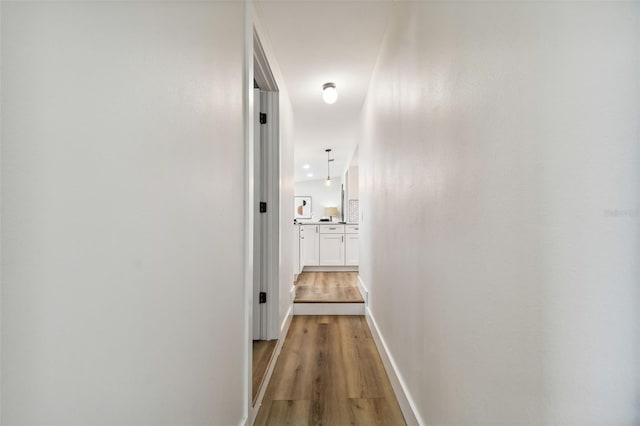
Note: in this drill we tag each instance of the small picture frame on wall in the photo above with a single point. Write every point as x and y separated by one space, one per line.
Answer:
303 207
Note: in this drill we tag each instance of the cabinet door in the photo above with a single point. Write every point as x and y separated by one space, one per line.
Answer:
296 250
331 249
309 246
352 250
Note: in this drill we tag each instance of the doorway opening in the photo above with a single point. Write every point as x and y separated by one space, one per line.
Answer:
327 281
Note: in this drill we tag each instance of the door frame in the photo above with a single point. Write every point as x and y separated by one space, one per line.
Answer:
266 230
257 68
270 133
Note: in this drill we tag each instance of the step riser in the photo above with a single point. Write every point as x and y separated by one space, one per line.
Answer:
328 308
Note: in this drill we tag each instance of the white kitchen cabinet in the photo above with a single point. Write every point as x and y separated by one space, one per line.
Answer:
328 245
309 245
332 249
331 229
296 251
351 229
351 257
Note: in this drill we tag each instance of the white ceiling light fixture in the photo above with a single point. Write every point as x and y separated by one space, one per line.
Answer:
329 93
309 174
329 160
306 166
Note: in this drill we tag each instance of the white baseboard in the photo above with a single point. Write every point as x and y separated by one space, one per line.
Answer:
292 293
364 291
407 405
328 309
330 269
284 329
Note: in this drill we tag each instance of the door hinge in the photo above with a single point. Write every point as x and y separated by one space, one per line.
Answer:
263 207
263 118
263 297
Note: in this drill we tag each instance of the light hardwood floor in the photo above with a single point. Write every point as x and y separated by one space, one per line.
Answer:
329 372
328 287
262 353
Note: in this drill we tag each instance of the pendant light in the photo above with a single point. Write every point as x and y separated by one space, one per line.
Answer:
329 160
329 93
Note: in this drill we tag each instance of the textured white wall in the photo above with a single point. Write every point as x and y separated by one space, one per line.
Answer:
500 238
321 195
122 267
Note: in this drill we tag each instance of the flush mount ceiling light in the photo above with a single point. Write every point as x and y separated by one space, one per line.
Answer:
329 160
329 93
306 166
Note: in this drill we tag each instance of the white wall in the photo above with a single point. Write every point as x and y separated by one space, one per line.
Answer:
321 195
122 269
505 135
287 239
353 184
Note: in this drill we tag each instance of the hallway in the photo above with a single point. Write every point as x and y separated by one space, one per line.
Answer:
476 162
329 373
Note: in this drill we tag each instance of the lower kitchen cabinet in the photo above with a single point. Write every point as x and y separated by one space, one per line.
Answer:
328 245
296 251
351 255
332 249
309 246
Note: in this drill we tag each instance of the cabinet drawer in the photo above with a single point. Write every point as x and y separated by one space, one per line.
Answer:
352 229
332 229
308 229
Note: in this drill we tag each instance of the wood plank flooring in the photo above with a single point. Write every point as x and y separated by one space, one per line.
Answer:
262 352
328 287
329 372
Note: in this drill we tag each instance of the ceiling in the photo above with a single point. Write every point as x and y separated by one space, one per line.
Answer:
314 43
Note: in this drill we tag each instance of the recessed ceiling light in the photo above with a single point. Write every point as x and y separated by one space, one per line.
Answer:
309 174
329 93
306 166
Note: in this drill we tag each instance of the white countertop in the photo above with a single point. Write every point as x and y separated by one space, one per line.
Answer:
325 223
